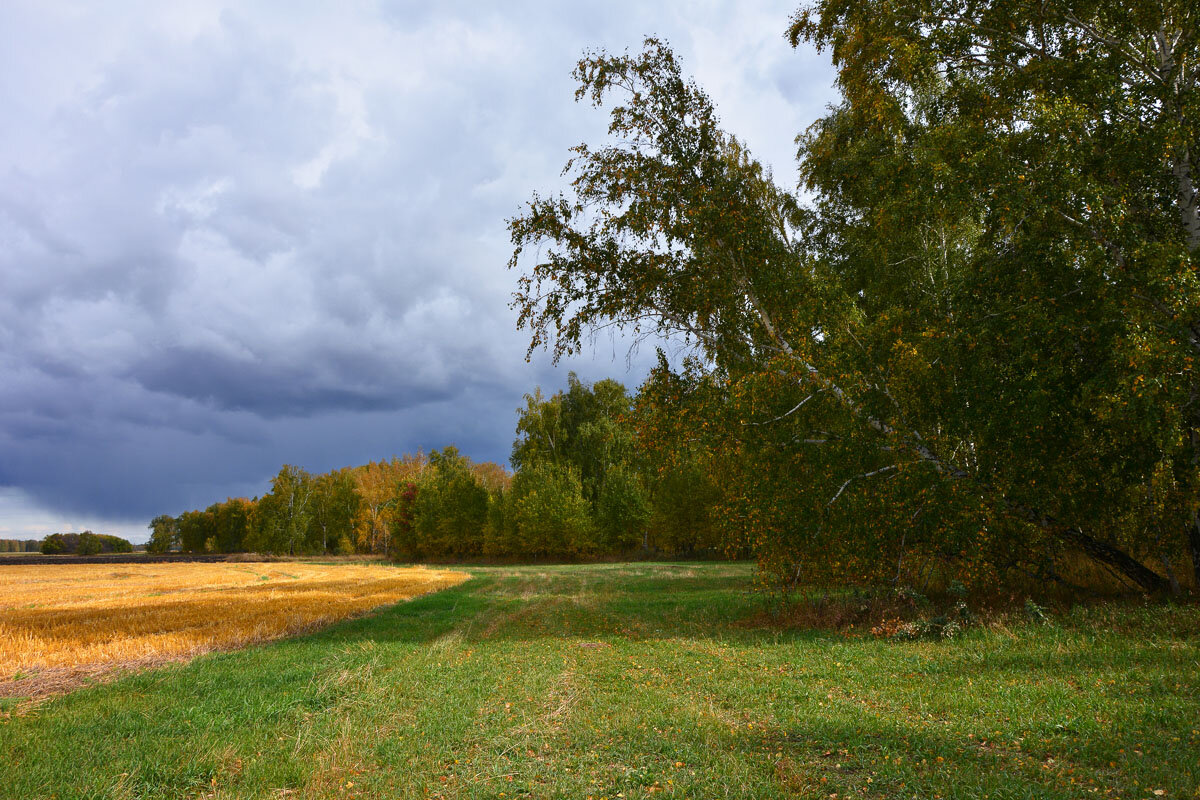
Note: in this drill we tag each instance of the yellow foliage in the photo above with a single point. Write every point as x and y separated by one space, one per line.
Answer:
379 483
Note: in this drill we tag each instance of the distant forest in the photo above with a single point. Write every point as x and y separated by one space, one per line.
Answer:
587 481
19 545
85 543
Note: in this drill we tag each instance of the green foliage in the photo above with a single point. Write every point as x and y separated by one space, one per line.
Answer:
86 543
451 508
1041 261
548 512
89 544
193 527
220 528
692 475
500 535
1035 613
622 510
283 515
164 534
54 544
681 518
633 499
335 504
403 543
584 488
582 427
974 350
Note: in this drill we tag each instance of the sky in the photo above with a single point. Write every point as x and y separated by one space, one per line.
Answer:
238 236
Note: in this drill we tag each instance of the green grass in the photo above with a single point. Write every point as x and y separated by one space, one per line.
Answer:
625 681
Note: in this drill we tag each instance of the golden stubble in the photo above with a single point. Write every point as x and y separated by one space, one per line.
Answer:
91 618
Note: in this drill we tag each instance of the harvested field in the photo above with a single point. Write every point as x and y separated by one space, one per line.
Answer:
64 624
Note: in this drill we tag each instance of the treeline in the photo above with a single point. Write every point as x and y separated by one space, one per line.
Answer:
20 546
83 544
340 512
582 486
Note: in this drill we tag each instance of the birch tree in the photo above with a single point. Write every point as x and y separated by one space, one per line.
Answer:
987 307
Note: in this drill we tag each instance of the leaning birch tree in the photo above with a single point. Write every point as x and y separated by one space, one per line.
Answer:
986 317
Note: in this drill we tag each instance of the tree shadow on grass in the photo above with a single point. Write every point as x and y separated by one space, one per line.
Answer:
545 603
849 754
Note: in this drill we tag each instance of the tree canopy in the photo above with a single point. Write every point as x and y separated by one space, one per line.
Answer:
973 348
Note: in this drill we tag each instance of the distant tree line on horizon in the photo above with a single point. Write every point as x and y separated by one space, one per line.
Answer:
85 543
582 486
20 545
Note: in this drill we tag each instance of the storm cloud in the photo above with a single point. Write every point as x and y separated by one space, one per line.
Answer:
232 238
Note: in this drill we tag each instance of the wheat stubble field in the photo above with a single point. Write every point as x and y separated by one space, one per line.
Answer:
61 625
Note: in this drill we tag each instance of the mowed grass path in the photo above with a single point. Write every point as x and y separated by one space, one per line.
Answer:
630 681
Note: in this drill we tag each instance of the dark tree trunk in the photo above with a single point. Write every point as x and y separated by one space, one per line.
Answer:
1137 572
1194 550
1149 580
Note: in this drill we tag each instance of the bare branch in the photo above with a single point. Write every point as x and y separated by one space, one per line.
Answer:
856 477
788 413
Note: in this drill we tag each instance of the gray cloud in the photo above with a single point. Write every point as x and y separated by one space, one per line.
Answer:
232 238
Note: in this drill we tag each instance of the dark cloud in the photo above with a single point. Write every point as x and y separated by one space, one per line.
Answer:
276 387
236 238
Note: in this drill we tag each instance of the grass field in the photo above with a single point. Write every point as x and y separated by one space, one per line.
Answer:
631 681
65 622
